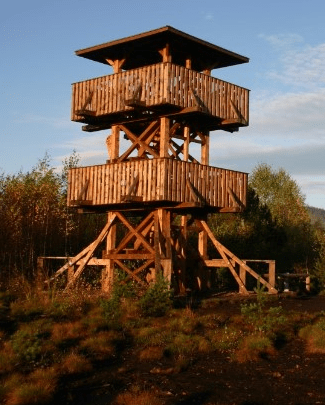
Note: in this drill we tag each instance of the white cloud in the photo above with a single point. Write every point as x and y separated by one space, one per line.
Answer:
297 115
302 65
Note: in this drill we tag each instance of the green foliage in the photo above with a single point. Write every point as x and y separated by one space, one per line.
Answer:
26 345
157 299
276 225
262 319
111 309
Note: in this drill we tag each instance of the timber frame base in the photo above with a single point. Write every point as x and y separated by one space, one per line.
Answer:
155 242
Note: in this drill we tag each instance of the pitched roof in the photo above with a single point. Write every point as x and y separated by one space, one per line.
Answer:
142 50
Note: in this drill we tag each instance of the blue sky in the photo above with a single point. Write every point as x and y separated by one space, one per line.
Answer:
284 40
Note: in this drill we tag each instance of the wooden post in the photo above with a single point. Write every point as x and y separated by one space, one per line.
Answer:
203 251
205 149
272 273
165 249
186 146
242 274
157 245
164 136
183 253
115 143
108 271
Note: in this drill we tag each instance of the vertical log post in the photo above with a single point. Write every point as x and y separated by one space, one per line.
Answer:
186 146
272 273
164 136
108 272
203 252
183 254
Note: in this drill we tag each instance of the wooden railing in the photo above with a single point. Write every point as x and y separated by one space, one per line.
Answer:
159 84
157 180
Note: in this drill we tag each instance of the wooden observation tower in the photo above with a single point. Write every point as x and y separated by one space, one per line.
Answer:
162 98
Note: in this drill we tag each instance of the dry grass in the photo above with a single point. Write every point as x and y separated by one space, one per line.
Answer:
138 398
153 353
75 363
7 358
38 388
101 346
62 332
254 347
314 335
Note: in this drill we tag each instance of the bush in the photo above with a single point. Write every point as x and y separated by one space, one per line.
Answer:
157 300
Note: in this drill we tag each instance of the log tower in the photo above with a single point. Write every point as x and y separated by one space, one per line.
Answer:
163 100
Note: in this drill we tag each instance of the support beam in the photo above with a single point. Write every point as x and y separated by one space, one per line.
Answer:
227 255
164 136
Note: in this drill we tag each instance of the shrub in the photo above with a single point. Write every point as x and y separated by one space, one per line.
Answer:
26 345
260 318
157 300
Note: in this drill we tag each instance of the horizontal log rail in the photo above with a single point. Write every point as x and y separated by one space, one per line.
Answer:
164 180
156 85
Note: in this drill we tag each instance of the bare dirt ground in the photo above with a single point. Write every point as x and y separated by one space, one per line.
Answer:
292 376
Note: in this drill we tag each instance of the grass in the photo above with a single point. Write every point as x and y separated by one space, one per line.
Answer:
314 335
254 347
45 337
139 398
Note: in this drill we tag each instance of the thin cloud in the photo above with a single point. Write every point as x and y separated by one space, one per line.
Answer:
55 122
302 65
300 115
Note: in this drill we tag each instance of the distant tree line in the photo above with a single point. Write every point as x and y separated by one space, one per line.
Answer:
277 225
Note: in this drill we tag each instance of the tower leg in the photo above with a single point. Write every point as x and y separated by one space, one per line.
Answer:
108 271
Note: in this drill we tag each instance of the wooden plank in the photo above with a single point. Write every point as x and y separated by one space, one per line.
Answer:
130 256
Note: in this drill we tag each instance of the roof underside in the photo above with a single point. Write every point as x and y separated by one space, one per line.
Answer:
143 49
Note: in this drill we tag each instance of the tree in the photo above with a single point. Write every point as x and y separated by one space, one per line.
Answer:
278 192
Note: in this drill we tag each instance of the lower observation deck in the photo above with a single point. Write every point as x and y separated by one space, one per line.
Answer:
164 182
